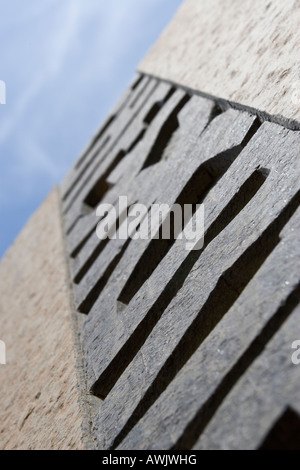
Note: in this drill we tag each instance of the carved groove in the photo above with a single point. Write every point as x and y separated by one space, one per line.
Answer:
110 376
285 434
140 93
157 107
105 126
117 345
98 249
194 192
232 282
95 150
165 134
93 295
194 430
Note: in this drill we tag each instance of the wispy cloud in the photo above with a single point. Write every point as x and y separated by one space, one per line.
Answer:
64 62
65 25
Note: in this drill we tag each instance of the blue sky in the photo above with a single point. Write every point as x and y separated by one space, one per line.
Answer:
65 63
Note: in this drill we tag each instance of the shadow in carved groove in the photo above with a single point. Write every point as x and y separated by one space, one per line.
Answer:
101 187
229 287
96 252
96 148
147 121
165 134
107 124
95 292
202 181
285 434
117 366
196 427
